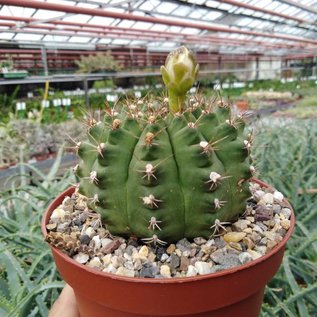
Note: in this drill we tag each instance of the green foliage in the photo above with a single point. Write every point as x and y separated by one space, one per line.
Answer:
7 104
289 163
29 282
101 62
106 83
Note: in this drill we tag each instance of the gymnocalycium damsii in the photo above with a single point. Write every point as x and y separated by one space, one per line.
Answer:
162 170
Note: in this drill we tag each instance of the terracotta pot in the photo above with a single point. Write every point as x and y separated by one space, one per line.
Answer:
236 292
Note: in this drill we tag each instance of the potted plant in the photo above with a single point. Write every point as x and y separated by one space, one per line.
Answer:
165 217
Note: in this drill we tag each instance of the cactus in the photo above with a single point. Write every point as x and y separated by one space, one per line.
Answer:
162 172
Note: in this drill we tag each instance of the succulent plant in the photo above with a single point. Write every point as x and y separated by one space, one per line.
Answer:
162 170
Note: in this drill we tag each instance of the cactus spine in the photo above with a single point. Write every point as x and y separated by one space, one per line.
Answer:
162 171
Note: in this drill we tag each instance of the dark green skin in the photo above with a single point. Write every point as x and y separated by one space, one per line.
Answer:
186 203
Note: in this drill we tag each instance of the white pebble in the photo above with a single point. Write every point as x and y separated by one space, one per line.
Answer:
164 257
125 272
268 198
97 241
258 194
95 262
58 214
202 267
255 255
110 269
165 271
245 257
191 271
144 251
107 259
90 232
105 242
81 257
285 224
286 212
278 196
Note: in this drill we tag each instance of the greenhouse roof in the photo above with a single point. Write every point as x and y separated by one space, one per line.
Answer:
266 27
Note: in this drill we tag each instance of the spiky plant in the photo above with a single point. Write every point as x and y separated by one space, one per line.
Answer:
166 169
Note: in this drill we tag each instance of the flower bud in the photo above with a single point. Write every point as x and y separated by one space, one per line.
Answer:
179 75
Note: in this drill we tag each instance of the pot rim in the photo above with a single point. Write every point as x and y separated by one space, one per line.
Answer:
173 279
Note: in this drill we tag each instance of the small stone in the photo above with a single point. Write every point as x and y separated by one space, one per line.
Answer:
61 227
174 261
257 228
114 245
107 259
277 208
251 219
51 226
82 217
144 251
258 194
81 258
90 232
244 257
110 269
241 224
128 265
191 271
285 224
148 271
286 212
178 252
97 241
105 242
234 236
183 245
202 267
219 243
218 255
125 272
270 235
268 198
164 257
184 263
199 240
95 262
278 196
159 252
271 244
261 249
255 255
263 213
247 230
248 242
84 239
210 242
58 215
171 248
235 245
165 271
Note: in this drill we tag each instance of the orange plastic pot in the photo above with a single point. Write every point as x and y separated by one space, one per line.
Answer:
236 292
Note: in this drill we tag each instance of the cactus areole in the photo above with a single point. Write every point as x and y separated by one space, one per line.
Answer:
162 170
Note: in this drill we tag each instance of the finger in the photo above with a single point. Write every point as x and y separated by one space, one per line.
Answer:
65 305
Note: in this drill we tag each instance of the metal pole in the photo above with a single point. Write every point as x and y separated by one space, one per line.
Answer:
127 16
85 82
44 60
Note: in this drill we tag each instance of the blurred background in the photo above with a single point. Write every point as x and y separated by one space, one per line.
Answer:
63 61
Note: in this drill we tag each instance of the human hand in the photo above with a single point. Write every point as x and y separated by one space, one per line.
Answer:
65 305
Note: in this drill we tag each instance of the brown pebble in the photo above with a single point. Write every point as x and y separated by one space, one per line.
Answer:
110 247
171 248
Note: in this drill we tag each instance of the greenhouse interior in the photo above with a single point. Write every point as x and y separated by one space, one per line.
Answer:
117 116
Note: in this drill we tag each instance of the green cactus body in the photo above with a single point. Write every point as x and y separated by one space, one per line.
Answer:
162 176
